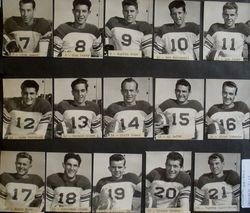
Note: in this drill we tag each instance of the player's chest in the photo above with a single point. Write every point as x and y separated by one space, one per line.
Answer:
229 40
127 36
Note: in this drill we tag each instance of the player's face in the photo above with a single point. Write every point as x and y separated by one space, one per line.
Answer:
216 166
22 166
117 169
178 16
130 12
230 16
70 168
27 13
182 93
81 13
129 93
228 96
79 92
172 168
29 95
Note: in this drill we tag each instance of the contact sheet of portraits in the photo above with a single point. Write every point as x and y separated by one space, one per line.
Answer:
124 106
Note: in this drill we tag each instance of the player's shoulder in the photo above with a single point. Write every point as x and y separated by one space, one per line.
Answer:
12 103
42 21
241 106
91 27
5 178
214 109
242 28
115 20
43 105
184 177
13 20
231 177
169 103
193 27
54 179
204 179
216 27
144 106
114 108
156 174
144 27
36 179
196 105
93 106
131 177
82 181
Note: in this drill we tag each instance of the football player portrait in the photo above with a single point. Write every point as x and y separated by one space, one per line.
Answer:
122 190
169 185
22 191
24 33
220 187
128 36
130 117
80 38
226 33
231 118
28 116
68 191
178 39
78 117
181 117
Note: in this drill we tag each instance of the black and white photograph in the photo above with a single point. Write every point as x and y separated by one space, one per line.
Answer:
177 30
227 106
22 177
68 182
226 32
117 182
179 110
27 108
217 182
128 28
27 27
78 28
128 110
77 108
168 181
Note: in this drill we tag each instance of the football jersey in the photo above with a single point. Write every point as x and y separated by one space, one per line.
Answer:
183 118
26 119
121 192
20 192
168 192
67 38
64 193
234 120
230 41
221 190
27 37
80 119
178 41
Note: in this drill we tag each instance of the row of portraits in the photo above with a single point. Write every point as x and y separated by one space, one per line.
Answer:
159 29
113 182
124 108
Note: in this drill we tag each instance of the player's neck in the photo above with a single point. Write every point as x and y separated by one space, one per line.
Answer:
68 179
130 104
228 106
29 23
182 103
22 176
230 27
218 175
180 26
79 26
80 104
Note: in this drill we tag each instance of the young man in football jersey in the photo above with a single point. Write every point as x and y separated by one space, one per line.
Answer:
68 191
226 40
168 187
233 116
21 190
28 115
128 34
23 34
129 115
180 116
219 187
121 191
180 38
78 37
78 116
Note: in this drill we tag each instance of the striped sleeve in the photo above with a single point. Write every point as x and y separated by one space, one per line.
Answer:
85 198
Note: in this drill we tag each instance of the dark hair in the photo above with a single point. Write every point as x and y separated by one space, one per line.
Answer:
30 84
230 84
130 3
79 81
74 156
175 156
82 2
26 2
214 156
183 82
24 155
117 157
177 4
128 80
230 6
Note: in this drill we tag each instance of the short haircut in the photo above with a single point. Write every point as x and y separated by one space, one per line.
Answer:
128 80
79 81
183 82
177 4
214 156
82 2
26 2
175 156
74 156
230 6
24 155
247 22
30 84
130 3
230 84
117 157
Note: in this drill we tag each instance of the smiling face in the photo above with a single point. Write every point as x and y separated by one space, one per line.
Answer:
228 96
178 15
79 93
172 168
129 93
182 94
29 96
81 13
216 167
27 13
117 169
71 167
130 13
230 16
22 167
